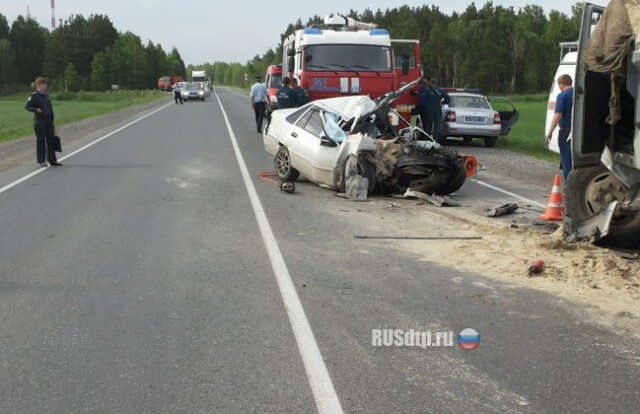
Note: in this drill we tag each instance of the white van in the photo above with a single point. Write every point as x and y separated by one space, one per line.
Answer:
567 66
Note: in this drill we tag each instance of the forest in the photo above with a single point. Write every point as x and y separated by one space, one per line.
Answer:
80 54
494 48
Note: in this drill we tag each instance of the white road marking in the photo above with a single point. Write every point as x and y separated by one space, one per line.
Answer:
509 193
38 171
319 379
237 93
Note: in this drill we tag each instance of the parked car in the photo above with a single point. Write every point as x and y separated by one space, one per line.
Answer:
470 115
195 91
331 139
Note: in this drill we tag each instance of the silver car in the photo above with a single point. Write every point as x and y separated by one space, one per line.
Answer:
194 91
470 115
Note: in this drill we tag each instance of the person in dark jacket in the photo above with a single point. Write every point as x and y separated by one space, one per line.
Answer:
435 98
40 104
301 93
287 97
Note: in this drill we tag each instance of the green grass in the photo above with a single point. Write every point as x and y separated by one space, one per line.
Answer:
527 135
16 122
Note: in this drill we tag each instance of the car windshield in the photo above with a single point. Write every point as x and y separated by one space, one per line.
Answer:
475 102
332 129
355 58
193 87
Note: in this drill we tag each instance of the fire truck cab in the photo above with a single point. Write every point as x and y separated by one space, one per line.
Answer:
346 57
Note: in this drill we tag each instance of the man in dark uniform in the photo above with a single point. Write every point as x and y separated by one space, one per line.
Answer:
287 97
301 93
40 104
436 97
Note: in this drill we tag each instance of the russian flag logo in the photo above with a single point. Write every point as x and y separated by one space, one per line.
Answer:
469 339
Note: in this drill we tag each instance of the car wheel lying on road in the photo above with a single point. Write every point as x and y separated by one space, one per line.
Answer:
588 190
283 165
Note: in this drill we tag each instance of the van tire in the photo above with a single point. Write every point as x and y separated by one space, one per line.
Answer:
585 193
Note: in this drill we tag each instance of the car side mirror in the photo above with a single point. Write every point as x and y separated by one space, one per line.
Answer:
327 142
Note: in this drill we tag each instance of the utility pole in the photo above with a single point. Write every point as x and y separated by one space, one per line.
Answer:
53 14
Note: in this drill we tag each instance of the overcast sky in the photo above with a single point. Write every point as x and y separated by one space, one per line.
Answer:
226 30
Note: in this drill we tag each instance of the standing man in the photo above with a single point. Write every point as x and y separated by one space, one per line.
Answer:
177 93
287 97
258 97
423 94
301 94
435 99
562 119
40 104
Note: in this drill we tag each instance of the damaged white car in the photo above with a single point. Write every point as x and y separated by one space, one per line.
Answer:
333 140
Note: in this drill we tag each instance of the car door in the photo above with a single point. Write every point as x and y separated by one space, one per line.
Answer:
308 155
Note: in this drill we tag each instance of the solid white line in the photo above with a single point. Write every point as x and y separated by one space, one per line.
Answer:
509 193
319 379
38 171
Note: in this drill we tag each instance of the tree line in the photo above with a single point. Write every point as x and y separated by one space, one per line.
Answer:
494 48
80 54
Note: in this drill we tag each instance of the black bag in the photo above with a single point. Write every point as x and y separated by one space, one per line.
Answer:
57 145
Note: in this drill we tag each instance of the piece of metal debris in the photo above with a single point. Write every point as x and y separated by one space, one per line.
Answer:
434 199
591 228
360 236
503 210
287 187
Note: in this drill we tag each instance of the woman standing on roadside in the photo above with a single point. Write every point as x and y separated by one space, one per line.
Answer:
40 104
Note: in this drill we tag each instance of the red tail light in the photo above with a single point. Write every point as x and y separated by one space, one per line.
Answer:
451 117
496 118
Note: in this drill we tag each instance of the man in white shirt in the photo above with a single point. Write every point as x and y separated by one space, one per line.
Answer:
258 98
177 93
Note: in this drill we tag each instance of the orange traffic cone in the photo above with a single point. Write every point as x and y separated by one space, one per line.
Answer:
555 209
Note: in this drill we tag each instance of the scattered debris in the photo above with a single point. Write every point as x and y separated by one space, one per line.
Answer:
288 186
591 228
536 267
434 199
357 236
503 210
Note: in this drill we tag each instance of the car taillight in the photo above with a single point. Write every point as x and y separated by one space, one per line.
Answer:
451 117
496 118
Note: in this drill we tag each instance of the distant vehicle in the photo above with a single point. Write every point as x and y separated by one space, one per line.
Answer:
165 83
470 115
194 91
567 66
201 77
273 81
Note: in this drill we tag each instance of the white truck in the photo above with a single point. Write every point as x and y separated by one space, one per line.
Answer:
602 193
567 66
201 77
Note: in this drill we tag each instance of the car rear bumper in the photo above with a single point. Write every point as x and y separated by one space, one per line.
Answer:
454 129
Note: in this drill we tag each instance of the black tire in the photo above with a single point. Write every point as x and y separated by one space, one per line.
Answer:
490 142
457 179
589 189
282 161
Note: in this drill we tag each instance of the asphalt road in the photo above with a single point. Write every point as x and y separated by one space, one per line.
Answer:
141 277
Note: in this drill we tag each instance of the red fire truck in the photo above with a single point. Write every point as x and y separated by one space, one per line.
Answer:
346 57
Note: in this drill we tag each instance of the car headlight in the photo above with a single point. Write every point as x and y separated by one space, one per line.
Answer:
201 93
